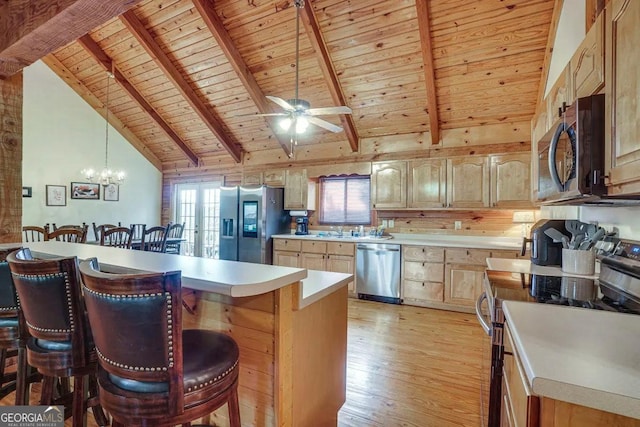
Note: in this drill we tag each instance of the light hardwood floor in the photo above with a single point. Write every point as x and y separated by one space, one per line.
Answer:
406 366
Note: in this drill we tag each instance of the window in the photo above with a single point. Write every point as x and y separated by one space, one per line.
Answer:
345 200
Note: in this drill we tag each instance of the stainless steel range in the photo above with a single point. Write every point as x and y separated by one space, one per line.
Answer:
617 288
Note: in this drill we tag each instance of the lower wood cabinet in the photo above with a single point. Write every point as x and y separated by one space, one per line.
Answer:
422 275
337 257
463 284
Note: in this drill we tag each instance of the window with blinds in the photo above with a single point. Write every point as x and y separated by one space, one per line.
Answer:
345 200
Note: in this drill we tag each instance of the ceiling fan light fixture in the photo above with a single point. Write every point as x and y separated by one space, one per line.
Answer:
301 124
285 123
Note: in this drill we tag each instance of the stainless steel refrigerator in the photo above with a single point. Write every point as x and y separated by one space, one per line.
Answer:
249 216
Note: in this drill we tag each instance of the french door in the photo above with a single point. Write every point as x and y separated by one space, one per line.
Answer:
198 206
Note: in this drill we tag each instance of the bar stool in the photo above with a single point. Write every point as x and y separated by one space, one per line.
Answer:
60 344
152 372
13 336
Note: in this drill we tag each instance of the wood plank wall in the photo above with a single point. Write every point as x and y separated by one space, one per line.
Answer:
11 159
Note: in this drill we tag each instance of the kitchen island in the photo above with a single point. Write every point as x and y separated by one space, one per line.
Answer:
290 325
583 364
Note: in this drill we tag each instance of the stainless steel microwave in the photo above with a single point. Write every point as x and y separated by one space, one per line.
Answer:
571 155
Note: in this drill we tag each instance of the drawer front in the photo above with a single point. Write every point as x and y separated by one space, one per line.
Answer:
422 253
502 253
340 248
468 256
287 245
423 291
314 247
423 271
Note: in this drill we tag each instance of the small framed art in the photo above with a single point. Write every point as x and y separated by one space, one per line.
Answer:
56 195
111 193
85 190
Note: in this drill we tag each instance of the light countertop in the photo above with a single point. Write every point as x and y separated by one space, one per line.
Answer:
476 242
236 279
586 357
525 266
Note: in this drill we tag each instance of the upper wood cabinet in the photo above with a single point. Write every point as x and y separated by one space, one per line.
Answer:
468 182
622 96
389 185
511 181
587 63
299 192
559 95
252 178
427 184
274 177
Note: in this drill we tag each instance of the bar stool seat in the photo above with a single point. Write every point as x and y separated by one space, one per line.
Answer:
152 372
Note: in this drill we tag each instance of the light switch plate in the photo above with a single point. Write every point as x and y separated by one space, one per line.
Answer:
457 225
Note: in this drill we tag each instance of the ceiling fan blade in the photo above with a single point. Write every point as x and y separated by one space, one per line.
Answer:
263 115
328 110
281 102
324 124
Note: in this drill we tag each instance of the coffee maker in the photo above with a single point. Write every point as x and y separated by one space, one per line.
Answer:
302 225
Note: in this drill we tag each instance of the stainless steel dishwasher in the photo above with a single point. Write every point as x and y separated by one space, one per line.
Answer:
378 272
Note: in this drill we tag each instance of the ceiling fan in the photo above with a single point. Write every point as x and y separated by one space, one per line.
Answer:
297 114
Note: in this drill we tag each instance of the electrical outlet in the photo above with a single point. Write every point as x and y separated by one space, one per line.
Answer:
457 225
392 223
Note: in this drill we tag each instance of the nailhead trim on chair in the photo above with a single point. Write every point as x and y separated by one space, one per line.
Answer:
67 287
218 378
167 295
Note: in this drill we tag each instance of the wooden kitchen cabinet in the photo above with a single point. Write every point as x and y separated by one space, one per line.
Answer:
252 178
511 181
559 96
274 177
468 182
422 275
286 252
622 89
389 185
299 192
427 184
587 63
463 284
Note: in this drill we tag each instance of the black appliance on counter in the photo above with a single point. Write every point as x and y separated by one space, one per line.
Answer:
302 225
543 249
616 289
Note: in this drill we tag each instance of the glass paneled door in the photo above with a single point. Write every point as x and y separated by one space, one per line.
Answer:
198 206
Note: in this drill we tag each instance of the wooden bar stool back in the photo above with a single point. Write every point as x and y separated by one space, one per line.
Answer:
151 371
61 344
13 336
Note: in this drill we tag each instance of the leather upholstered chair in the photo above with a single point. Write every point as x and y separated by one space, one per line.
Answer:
13 336
152 372
61 345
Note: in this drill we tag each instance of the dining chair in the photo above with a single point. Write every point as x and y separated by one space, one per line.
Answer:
138 230
33 233
118 237
97 229
174 231
66 226
153 372
73 235
154 239
13 337
61 343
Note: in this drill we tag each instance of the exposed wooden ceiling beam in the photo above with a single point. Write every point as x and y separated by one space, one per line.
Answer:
548 51
138 30
103 59
31 29
216 27
326 65
65 74
429 73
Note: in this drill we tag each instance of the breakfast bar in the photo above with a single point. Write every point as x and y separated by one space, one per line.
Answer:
290 325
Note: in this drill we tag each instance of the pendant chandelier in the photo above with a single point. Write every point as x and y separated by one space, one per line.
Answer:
106 176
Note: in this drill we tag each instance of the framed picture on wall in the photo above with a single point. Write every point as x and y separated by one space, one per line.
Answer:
85 190
111 193
56 195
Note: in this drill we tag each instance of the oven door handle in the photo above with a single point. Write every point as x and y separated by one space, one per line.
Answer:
481 318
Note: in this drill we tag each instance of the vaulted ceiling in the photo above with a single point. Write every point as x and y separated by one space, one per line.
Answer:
192 73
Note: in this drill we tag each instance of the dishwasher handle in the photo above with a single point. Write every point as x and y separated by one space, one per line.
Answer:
378 248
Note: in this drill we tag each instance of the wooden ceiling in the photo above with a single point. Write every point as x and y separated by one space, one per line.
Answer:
192 72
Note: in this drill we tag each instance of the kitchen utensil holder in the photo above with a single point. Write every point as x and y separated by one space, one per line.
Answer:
575 261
